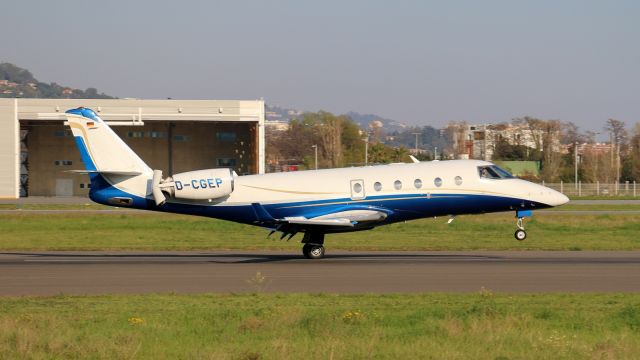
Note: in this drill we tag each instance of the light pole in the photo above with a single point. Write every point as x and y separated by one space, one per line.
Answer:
435 153
416 134
575 150
366 150
315 148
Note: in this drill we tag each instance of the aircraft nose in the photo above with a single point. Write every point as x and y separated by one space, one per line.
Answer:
557 198
547 196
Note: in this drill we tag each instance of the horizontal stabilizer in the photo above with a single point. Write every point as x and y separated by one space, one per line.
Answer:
106 172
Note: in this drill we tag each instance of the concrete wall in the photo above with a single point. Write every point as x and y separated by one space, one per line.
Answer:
47 143
9 150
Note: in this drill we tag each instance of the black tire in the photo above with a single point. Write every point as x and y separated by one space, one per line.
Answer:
313 251
520 235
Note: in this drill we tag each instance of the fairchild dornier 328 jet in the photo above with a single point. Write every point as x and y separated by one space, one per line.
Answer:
315 202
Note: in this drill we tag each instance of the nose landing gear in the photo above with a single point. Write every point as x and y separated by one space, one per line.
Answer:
520 234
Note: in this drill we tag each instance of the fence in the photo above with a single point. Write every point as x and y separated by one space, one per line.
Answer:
595 189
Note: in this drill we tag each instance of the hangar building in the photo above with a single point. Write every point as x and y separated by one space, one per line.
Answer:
170 135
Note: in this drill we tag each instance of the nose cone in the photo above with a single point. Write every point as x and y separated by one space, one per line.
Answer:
556 198
544 195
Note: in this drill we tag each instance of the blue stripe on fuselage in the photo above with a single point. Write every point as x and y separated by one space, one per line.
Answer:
401 207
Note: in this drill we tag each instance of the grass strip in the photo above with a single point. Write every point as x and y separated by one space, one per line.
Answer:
322 326
157 231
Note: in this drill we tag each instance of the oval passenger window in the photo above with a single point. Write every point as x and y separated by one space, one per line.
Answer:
437 182
397 184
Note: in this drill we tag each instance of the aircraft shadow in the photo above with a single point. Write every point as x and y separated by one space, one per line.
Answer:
245 258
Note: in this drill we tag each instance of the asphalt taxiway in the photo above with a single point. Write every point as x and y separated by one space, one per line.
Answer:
51 273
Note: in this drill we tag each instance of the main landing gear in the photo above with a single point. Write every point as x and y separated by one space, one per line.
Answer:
520 234
313 245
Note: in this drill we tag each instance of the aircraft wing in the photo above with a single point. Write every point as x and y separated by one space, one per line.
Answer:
344 217
341 218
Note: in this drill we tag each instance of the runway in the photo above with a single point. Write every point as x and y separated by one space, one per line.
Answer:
51 273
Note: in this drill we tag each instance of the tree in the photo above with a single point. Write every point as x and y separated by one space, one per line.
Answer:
551 160
352 144
339 140
571 133
618 132
505 151
634 154
546 135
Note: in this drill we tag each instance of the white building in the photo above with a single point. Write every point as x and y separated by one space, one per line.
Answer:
175 136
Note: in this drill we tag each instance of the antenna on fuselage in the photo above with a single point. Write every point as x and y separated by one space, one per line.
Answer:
413 158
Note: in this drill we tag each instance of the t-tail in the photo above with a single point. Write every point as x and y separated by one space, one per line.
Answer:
118 175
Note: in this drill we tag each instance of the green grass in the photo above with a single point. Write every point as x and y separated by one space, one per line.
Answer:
605 197
158 231
88 206
596 207
322 326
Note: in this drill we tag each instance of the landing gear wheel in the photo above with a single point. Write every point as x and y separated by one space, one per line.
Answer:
313 245
313 251
520 235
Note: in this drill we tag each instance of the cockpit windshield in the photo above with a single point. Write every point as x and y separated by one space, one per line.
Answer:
493 172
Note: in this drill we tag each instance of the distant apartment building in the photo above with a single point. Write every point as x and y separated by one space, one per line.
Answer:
479 141
276 125
595 148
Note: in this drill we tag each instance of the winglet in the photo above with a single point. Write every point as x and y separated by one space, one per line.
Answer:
413 158
261 213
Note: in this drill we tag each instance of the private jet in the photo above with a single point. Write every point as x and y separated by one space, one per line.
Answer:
313 202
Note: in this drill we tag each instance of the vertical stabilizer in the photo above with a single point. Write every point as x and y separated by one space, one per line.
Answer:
101 149
116 172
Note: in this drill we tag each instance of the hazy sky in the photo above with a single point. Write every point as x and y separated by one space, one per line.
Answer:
421 62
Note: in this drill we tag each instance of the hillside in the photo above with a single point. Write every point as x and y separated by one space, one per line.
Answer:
18 82
388 125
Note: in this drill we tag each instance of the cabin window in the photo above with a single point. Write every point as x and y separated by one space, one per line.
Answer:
437 182
357 188
458 180
417 183
397 184
377 186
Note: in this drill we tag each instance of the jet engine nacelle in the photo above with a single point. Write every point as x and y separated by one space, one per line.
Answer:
193 185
